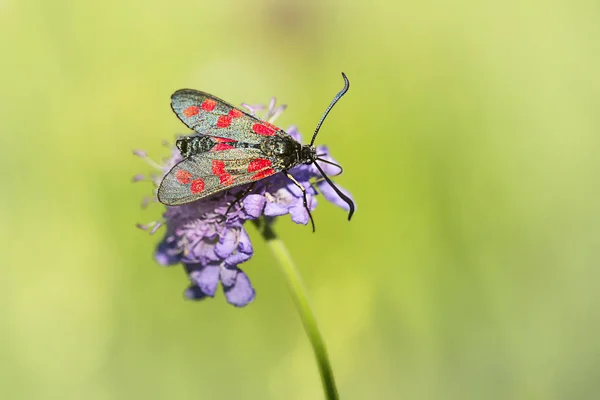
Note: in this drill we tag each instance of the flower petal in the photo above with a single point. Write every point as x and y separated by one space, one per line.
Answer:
237 258
193 292
206 277
227 243
167 253
227 275
330 170
330 194
245 244
274 209
243 252
302 173
202 252
254 204
241 292
299 214
294 190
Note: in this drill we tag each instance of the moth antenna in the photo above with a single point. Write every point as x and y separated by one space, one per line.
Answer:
331 163
335 100
338 191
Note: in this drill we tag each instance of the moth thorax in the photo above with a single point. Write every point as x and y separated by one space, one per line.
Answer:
279 146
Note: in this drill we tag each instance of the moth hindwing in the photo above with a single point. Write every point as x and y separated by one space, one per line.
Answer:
201 175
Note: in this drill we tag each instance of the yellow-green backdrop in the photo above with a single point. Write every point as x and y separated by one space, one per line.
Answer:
470 140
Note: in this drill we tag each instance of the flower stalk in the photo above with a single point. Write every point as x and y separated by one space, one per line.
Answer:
301 300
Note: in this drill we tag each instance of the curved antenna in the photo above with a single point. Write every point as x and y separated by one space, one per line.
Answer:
338 191
331 163
335 100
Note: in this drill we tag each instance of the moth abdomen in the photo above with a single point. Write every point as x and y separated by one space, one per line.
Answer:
192 145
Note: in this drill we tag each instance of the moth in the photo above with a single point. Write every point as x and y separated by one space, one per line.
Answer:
234 148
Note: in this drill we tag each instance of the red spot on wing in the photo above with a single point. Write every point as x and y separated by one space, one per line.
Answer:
222 146
264 129
197 186
183 176
209 105
258 163
235 113
224 121
223 140
226 179
191 111
263 174
218 167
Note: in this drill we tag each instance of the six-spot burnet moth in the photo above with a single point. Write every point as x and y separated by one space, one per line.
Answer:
234 148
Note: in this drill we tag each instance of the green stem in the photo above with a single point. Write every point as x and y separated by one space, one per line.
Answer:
307 315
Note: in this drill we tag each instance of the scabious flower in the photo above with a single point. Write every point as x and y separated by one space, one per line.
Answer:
208 236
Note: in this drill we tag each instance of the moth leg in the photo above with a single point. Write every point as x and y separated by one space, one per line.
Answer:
240 196
304 199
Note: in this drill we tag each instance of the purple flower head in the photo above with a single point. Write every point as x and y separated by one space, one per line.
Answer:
208 236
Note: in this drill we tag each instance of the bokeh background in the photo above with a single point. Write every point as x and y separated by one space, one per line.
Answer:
470 141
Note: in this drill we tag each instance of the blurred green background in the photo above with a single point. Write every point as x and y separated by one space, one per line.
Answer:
469 138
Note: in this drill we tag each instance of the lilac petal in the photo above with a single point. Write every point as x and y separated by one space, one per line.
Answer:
228 276
275 209
311 191
330 194
210 231
298 211
156 227
245 244
140 153
253 108
295 190
202 252
209 251
277 112
167 253
330 170
227 243
237 258
194 293
241 292
312 202
280 202
299 215
206 278
271 105
302 173
254 204
244 250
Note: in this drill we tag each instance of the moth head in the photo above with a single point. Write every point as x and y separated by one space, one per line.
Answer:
308 154
280 146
